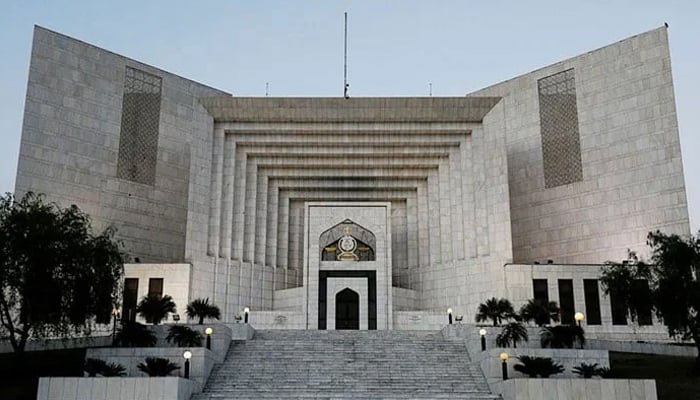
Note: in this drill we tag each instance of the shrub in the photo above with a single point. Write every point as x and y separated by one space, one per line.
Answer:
589 370
495 310
541 312
534 366
94 367
183 336
562 336
512 333
155 308
133 334
200 308
154 366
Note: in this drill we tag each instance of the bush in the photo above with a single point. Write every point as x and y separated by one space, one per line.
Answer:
155 308
534 366
562 336
183 336
154 366
512 333
590 370
94 367
201 309
133 334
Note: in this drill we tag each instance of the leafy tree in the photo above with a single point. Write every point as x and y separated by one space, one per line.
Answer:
512 333
183 336
562 336
619 281
495 310
200 308
674 284
155 308
534 366
133 334
539 311
154 366
57 278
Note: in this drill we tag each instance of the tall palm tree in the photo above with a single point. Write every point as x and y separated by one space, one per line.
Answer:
495 310
200 308
155 308
540 311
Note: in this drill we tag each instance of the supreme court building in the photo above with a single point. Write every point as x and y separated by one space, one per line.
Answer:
364 213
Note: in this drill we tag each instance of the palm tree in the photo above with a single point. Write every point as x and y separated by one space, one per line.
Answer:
155 308
540 311
513 332
154 366
184 336
200 308
496 310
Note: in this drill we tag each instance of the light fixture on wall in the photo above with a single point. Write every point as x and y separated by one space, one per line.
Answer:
208 331
449 315
504 365
176 318
246 311
482 333
579 317
187 355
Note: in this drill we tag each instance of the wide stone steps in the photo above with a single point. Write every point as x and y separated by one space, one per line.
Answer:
346 365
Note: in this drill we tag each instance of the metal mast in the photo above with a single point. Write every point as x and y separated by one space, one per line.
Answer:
345 62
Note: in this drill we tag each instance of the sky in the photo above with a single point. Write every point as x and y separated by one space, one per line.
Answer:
396 48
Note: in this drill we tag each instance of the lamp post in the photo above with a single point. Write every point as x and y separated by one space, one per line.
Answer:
208 331
449 315
246 311
115 316
482 333
579 317
187 355
504 365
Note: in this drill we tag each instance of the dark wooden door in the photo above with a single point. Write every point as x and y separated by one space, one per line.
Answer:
347 310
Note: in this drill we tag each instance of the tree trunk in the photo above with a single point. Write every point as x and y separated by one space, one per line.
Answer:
201 320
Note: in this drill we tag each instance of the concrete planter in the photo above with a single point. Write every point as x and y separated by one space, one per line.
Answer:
576 389
165 388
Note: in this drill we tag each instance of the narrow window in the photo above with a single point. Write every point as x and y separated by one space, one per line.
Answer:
540 290
592 299
131 289
155 287
640 288
566 301
618 309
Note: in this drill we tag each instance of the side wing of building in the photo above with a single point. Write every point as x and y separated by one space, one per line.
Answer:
117 138
594 158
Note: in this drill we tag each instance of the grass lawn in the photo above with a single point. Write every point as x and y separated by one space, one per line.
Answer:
19 380
673 378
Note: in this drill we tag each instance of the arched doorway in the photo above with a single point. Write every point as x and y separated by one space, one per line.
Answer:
347 309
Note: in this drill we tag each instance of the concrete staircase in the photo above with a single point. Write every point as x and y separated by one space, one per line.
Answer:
279 364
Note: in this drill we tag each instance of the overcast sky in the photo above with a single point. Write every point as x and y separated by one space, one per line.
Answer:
396 48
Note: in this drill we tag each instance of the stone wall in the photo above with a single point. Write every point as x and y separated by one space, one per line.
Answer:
167 388
629 148
70 145
576 389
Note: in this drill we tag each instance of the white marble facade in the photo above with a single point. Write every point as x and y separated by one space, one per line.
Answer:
453 187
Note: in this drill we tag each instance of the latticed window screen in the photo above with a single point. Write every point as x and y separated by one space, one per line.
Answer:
138 140
561 147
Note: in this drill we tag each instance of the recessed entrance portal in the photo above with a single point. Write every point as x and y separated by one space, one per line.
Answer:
347 310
